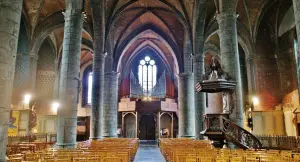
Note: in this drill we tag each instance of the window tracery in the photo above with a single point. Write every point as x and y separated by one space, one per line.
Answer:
147 73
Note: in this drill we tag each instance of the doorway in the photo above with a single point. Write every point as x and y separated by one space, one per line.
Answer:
147 127
129 126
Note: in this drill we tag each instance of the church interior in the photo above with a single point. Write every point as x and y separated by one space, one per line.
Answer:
149 80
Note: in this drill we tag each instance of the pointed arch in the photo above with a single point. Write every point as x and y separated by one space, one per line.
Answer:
135 35
153 47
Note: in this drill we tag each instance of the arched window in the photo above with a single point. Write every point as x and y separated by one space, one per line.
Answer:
90 84
147 72
87 82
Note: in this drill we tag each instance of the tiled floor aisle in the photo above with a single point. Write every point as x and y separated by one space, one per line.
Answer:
149 153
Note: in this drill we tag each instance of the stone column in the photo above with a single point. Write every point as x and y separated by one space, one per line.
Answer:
110 105
199 63
186 105
98 11
198 67
69 80
97 96
187 56
230 58
296 4
10 17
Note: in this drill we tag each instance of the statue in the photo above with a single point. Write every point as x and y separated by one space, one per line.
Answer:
215 71
32 117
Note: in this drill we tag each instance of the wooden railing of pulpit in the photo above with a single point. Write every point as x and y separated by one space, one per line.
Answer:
219 125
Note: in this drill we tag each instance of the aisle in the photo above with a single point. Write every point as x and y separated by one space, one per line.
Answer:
148 152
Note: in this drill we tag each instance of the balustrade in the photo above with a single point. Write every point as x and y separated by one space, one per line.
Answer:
218 127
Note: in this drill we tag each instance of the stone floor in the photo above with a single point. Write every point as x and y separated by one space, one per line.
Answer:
149 152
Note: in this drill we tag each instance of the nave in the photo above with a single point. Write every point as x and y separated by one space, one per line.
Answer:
149 151
170 150
85 80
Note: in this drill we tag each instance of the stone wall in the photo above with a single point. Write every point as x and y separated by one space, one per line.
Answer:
46 123
45 76
22 67
274 64
266 72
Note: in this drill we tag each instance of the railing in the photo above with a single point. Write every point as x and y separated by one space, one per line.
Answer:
232 132
41 137
239 136
280 142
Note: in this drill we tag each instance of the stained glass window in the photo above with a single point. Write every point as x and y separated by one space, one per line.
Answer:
147 72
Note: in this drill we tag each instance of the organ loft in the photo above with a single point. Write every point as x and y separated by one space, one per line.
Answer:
149 80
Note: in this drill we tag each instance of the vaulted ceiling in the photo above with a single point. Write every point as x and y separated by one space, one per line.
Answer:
169 23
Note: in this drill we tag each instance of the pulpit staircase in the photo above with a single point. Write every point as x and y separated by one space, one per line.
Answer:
219 129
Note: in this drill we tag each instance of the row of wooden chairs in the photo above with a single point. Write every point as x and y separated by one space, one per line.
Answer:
176 150
106 150
27 146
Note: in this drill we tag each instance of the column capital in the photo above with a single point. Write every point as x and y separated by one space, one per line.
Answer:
112 73
250 57
222 15
34 56
21 54
73 13
198 56
185 74
99 56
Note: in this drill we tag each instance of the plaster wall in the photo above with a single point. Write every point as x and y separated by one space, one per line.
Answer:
46 123
268 123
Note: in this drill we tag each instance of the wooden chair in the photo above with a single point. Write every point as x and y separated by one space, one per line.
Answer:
15 160
79 159
63 160
222 159
193 159
236 159
48 160
252 159
94 159
15 156
112 159
207 159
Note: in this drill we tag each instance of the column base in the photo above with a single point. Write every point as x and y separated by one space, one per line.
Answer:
95 138
186 137
109 136
65 145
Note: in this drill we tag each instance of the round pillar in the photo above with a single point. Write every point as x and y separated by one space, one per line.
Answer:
200 101
10 17
97 96
69 76
230 60
110 105
186 105
296 4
